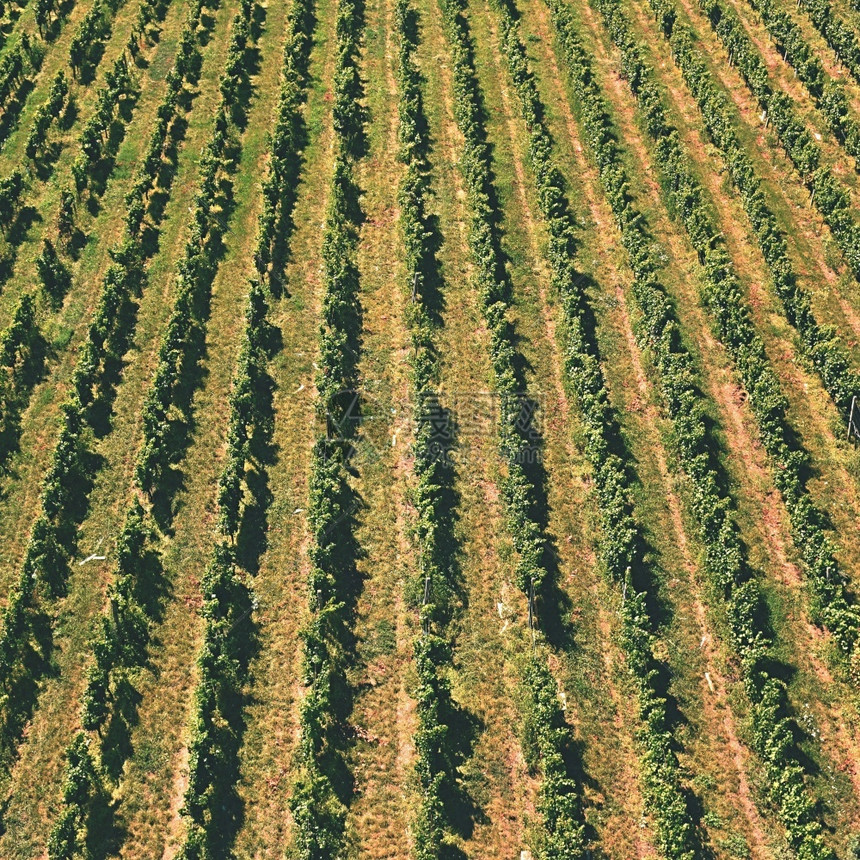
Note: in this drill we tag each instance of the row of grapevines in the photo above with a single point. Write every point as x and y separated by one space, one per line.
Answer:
26 637
210 809
288 139
829 94
548 745
218 722
121 647
318 794
439 748
22 355
834 605
11 194
49 111
828 193
17 68
725 560
87 46
119 87
841 37
48 15
54 276
622 540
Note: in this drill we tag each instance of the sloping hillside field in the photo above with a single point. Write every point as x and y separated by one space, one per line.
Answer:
430 429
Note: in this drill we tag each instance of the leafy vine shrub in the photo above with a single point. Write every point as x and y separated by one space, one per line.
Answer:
89 40
66 217
288 138
81 787
22 354
15 67
441 742
547 748
11 190
46 13
216 737
148 14
317 801
45 115
119 85
124 637
55 278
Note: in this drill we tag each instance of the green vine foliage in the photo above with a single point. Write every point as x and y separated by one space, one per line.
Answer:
318 800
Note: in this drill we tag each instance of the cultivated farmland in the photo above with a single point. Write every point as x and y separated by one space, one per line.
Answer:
430 429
